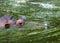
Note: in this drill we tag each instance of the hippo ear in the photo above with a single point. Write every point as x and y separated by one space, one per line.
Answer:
23 17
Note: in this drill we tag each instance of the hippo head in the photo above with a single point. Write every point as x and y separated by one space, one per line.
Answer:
21 21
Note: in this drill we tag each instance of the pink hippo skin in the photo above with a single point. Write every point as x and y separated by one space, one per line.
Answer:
21 21
6 21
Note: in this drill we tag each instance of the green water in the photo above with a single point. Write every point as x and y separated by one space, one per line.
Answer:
42 23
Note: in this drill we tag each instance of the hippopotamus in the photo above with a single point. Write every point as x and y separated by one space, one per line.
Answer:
21 21
6 21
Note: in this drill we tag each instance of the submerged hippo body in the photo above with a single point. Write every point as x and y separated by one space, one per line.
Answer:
6 21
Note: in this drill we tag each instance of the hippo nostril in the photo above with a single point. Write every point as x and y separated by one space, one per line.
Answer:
20 24
7 25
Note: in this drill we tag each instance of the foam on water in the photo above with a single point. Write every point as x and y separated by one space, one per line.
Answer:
45 5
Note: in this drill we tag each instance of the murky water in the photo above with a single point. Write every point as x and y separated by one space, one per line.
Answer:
41 15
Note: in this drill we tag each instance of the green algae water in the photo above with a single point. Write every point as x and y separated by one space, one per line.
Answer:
42 21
